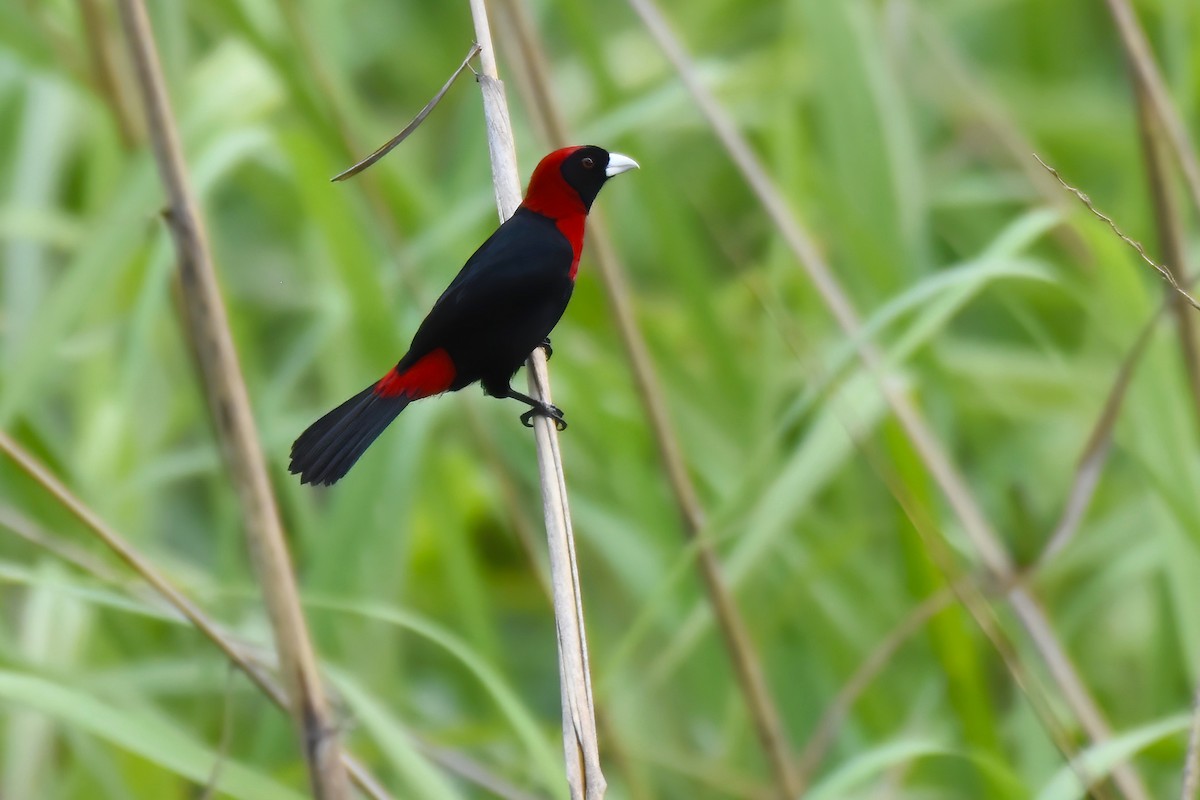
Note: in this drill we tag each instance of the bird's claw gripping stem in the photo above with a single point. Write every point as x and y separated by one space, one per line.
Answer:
537 408
545 345
544 410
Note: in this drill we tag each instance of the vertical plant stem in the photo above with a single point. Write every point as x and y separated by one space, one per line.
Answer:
580 745
954 488
1153 125
100 58
748 669
164 588
1191 763
208 331
1141 61
835 712
1172 254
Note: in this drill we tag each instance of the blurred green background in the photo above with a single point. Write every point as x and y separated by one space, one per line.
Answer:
900 132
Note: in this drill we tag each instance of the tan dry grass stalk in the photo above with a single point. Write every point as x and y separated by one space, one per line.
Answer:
1160 126
207 329
1167 274
953 486
580 745
1141 61
1191 763
1169 230
981 107
103 69
164 588
825 731
1095 451
748 669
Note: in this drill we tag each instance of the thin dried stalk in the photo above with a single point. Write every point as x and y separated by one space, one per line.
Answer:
994 119
214 776
835 712
580 745
455 763
1172 251
1191 763
953 486
763 711
1095 452
164 588
971 595
1167 274
1155 122
208 331
100 57
1141 60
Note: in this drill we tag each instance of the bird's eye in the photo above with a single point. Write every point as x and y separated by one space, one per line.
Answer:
588 163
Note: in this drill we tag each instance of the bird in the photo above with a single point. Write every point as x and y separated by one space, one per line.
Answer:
501 306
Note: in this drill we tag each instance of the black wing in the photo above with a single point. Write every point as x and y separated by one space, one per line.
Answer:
504 300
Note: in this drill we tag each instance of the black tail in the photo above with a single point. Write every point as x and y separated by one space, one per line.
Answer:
328 449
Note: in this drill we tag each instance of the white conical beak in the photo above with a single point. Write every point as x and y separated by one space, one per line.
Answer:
618 163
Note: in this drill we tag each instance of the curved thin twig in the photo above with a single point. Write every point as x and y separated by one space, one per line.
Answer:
410 127
1167 274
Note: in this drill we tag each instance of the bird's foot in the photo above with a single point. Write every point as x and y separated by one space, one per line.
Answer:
545 345
537 408
544 410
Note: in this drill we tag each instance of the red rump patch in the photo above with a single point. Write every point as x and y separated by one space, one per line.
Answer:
432 374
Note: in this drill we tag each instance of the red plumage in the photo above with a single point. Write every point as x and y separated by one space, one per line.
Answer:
502 304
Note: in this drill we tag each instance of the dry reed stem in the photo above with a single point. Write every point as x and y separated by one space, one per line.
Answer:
1154 123
455 763
164 588
1166 274
826 729
952 485
1083 486
1190 789
973 598
208 332
223 744
31 532
997 122
103 71
1172 251
1141 60
748 669
1095 452
580 745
